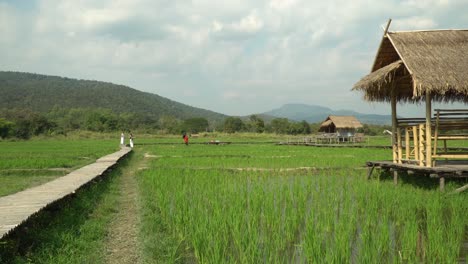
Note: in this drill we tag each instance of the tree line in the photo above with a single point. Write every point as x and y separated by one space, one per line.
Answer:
24 123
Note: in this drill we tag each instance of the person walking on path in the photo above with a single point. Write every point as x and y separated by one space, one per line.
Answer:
185 137
131 140
122 139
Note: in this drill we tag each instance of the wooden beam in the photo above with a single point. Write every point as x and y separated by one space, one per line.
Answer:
461 189
381 43
395 177
428 130
442 183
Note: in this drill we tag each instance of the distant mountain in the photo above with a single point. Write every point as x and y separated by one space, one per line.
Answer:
315 114
41 93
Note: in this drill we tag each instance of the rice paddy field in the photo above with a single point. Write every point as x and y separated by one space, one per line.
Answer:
276 204
239 203
24 164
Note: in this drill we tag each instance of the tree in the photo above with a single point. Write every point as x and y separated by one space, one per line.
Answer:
305 127
280 125
233 124
258 125
169 123
195 125
6 128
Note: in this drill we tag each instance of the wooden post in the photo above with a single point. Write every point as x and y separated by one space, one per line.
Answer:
416 142
400 151
369 172
407 143
395 177
428 130
394 123
421 145
442 183
436 133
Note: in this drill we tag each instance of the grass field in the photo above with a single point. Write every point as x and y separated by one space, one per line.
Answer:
249 203
24 164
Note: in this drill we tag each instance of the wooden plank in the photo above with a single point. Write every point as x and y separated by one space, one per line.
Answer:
17 208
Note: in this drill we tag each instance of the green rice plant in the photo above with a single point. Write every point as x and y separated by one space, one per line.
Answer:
254 204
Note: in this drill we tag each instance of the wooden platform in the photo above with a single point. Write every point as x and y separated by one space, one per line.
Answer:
17 208
342 145
441 170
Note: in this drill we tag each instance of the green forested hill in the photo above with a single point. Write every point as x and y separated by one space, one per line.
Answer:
42 93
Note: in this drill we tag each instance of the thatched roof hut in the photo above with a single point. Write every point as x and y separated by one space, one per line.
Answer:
414 66
416 62
334 123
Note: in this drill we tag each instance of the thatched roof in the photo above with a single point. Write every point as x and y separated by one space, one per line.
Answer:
419 61
340 122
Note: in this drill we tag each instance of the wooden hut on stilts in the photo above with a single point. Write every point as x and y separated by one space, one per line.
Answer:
415 67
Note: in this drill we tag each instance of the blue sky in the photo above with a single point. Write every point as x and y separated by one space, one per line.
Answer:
231 56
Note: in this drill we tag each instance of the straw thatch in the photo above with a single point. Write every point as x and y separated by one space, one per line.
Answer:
419 61
340 122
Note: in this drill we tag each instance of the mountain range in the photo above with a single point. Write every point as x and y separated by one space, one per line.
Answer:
42 93
316 114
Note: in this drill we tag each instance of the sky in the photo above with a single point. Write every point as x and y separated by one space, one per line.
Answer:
234 57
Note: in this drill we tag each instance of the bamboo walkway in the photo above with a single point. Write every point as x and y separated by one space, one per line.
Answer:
17 208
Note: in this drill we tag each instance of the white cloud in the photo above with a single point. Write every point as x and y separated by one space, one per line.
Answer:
415 22
215 54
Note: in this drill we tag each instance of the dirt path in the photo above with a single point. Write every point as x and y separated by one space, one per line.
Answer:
122 245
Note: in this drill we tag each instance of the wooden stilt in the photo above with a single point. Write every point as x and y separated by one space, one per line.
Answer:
400 151
416 142
421 145
394 124
407 143
428 130
369 172
442 183
395 177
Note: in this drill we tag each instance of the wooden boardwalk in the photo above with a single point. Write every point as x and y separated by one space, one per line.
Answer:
17 208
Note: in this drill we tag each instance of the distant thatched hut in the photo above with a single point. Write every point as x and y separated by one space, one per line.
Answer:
344 126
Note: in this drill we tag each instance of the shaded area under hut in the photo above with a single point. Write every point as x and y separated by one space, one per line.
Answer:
422 67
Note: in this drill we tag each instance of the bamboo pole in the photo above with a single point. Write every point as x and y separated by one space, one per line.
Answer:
428 130
407 143
394 123
416 142
421 144
436 133
400 154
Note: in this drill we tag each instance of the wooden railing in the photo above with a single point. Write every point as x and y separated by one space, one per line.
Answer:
411 141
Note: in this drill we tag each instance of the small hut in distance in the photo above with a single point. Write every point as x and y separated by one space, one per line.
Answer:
345 127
